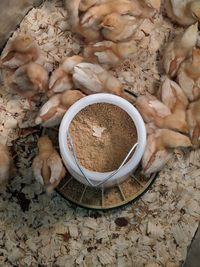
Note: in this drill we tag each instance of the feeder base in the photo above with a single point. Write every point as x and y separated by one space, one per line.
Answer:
105 198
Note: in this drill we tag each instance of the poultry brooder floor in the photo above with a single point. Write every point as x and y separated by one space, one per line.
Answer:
41 230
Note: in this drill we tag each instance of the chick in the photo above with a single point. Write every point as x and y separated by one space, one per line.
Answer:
6 164
60 79
30 79
193 119
171 95
185 12
92 78
159 148
47 166
52 112
177 50
189 75
72 7
154 111
22 50
174 98
118 27
95 14
108 53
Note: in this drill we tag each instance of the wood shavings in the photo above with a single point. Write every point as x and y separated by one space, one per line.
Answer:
46 231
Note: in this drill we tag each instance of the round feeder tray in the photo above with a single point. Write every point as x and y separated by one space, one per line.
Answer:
101 198
104 198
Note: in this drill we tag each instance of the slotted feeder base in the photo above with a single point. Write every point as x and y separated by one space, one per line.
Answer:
108 198
101 198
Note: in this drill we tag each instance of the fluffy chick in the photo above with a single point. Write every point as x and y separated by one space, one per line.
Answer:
116 27
30 80
155 112
177 50
185 12
6 164
60 79
95 14
47 166
108 53
90 34
189 75
22 50
159 147
138 8
52 112
92 78
193 119
172 95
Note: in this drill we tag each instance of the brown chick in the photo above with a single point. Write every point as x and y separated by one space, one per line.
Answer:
193 119
159 148
177 50
189 75
31 79
182 12
61 79
52 112
47 166
22 50
90 34
92 78
118 27
6 164
108 53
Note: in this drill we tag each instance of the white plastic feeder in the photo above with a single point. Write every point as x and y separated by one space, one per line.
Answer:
97 177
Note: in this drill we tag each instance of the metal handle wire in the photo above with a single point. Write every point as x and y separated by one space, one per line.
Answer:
82 171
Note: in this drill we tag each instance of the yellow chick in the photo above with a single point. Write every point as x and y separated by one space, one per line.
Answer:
47 166
52 112
138 8
72 7
108 53
193 119
6 164
118 27
95 14
177 50
154 111
30 80
189 75
185 12
92 78
22 50
159 148
61 79
171 94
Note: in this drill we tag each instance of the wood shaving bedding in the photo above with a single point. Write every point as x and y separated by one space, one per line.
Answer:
41 230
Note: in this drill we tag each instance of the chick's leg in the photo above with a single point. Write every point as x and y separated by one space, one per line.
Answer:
55 164
37 170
